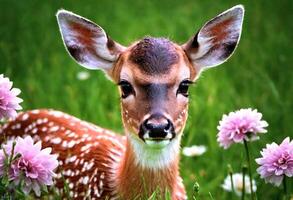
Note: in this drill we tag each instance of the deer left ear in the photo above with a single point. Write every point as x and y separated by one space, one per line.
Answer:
216 40
87 43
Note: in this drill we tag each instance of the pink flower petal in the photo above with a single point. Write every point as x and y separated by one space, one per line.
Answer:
9 102
243 124
276 162
35 166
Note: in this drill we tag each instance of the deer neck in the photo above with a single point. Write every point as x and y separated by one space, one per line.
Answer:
144 170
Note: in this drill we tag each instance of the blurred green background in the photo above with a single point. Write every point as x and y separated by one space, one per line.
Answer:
259 74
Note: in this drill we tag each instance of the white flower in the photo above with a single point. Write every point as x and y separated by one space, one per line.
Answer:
238 185
83 75
194 150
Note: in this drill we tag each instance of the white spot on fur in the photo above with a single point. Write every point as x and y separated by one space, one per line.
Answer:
39 121
56 140
67 172
64 144
89 166
71 134
47 138
36 138
70 185
84 148
59 175
35 130
35 111
25 116
16 126
71 144
72 159
54 129
57 114
85 180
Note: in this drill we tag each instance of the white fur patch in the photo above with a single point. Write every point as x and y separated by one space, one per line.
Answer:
154 156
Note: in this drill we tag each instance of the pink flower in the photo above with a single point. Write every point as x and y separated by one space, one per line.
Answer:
243 124
9 102
35 166
276 161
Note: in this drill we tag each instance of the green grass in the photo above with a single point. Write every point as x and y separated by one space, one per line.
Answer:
258 75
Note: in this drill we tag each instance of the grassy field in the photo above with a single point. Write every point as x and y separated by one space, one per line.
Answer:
259 74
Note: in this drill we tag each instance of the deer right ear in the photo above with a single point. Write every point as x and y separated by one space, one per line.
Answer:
87 42
216 40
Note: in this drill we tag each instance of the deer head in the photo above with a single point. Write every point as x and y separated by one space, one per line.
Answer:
153 74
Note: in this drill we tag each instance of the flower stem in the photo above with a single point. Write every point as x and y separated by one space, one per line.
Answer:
244 168
286 196
230 171
12 153
195 191
249 169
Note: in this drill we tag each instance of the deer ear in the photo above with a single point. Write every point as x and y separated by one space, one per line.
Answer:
86 42
216 40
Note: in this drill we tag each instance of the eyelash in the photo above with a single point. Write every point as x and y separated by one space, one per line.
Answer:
126 89
183 87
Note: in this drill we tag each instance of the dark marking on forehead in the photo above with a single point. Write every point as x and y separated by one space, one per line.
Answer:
154 55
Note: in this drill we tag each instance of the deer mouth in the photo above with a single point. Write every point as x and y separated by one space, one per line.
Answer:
158 138
157 143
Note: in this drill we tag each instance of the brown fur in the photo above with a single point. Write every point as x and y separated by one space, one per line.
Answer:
154 55
106 149
145 181
150 99
113 158
111 164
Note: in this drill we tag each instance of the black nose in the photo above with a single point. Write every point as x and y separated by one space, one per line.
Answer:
157 127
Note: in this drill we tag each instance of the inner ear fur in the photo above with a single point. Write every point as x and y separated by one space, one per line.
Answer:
87 43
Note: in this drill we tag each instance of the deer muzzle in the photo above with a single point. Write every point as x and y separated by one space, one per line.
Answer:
157 128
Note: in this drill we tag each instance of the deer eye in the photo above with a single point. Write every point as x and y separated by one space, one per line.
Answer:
126 89
183 88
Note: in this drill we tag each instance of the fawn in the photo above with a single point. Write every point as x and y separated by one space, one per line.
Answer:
153 75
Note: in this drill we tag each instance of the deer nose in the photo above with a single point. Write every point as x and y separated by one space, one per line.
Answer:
157 127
